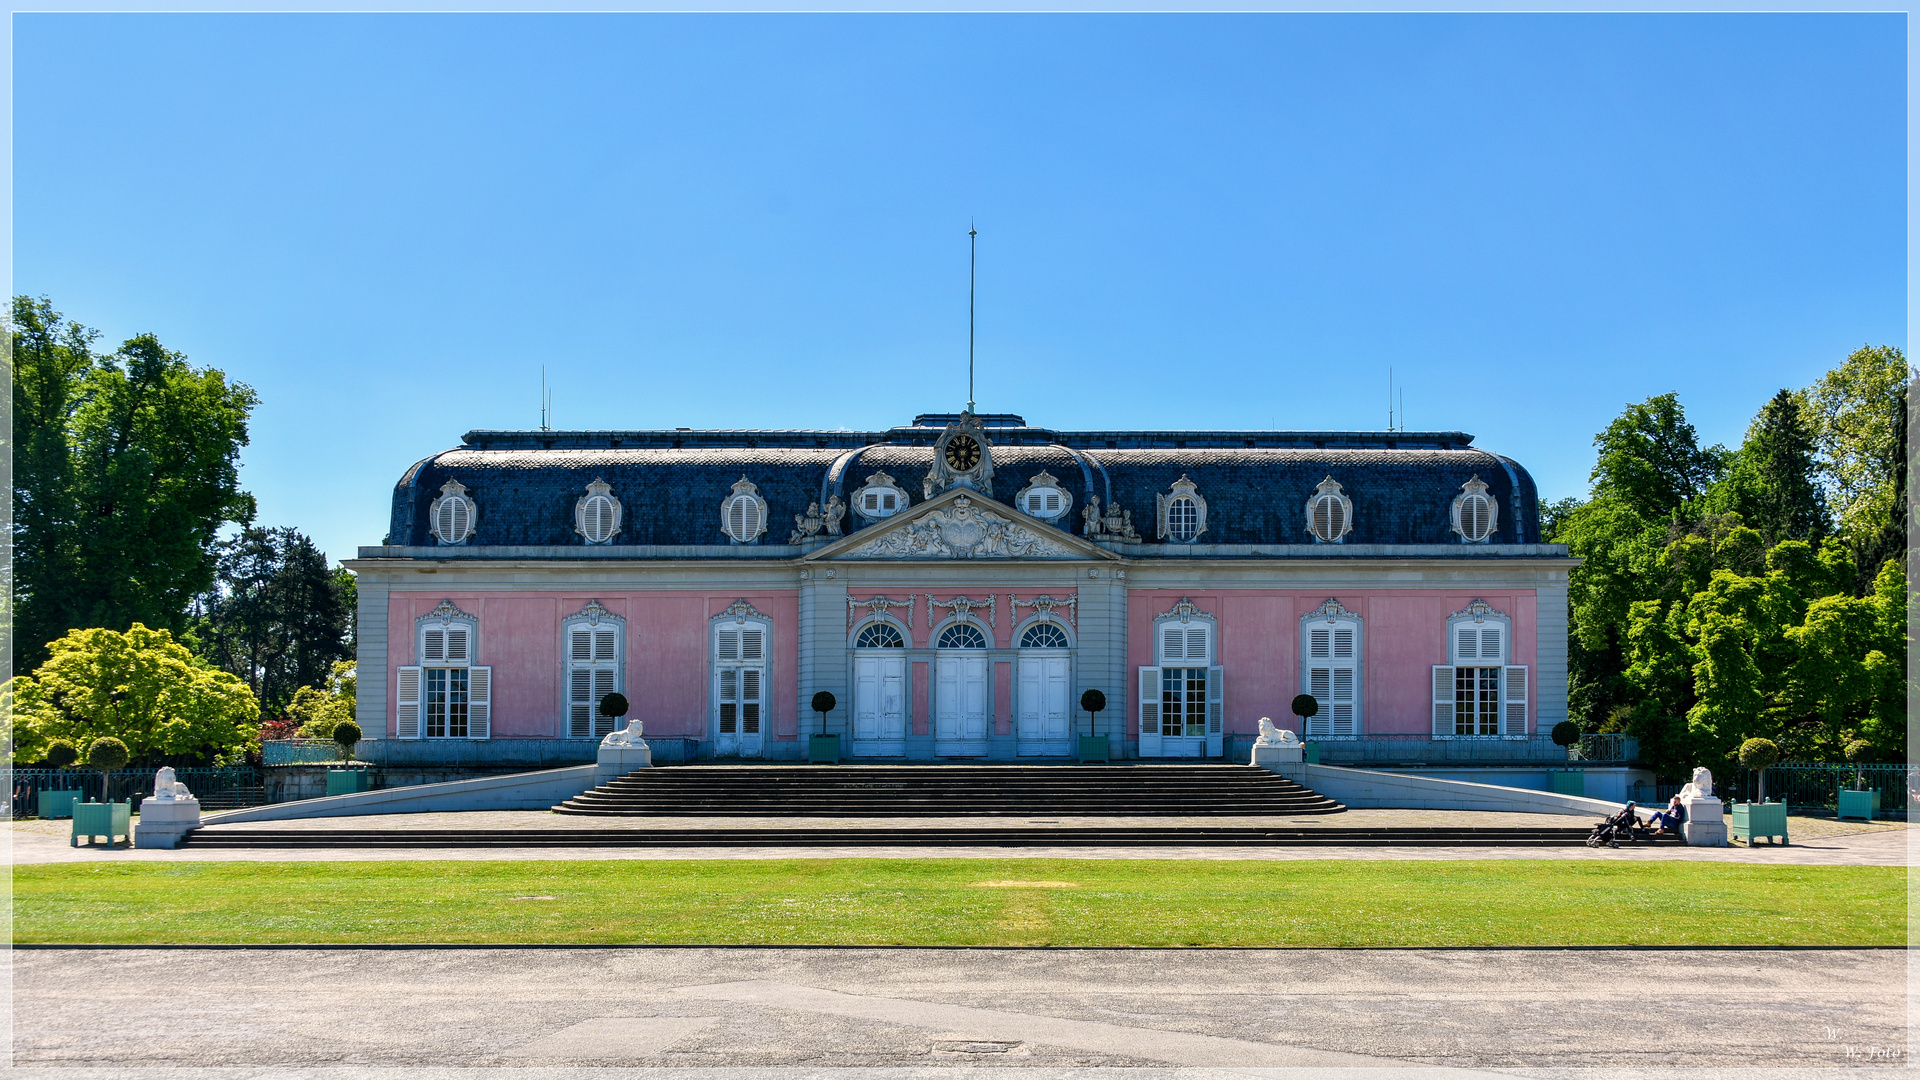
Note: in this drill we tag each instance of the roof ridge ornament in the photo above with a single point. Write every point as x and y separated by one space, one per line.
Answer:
1332 610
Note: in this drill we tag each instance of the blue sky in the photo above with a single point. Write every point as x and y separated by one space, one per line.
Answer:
387 224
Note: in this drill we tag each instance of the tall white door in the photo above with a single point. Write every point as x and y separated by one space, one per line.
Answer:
960 704
739 690
879 705
1044 717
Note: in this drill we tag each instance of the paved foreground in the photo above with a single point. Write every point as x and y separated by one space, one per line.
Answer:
129 1012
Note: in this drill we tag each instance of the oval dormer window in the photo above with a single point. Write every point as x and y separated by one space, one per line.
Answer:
451 515
1475 513
743 514
879 498
1044 498
1329 512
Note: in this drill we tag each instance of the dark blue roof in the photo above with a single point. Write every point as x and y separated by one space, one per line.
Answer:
671 483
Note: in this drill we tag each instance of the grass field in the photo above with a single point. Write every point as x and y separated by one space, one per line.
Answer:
964 902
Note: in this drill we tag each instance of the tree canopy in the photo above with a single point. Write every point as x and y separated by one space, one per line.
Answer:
278 618
126 468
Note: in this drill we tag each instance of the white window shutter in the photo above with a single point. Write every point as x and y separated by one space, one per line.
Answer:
581 646
1490 644
604 644
433 647
729 644
406 723
1320 643
457 645
1173 647
1216 700
750 644
1197 643
1468 647
1514 720
480 703
1343 643
750 701
579 704
1343 703
1150 712
1320 688
1442 700
602 686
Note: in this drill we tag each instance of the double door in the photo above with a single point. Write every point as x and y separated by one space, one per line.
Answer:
960 704
879 704
1043 719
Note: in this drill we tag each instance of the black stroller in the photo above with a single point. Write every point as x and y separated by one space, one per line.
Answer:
1623 826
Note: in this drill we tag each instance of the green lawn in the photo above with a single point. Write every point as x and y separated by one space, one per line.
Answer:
965 902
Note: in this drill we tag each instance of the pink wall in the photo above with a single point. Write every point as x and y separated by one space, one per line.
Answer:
1403 635
1002 698
666 669
922 715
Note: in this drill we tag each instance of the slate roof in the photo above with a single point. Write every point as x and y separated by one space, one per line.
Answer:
671 483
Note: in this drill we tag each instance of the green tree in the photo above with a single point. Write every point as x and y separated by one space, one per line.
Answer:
128 467
1651 461
278 618
1772 481
318 711
1857 414
141 687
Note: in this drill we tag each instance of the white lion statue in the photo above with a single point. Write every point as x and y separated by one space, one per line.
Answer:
166 788
1274 736
626 736
1702 786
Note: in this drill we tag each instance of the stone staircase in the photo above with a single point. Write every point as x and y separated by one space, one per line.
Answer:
951 791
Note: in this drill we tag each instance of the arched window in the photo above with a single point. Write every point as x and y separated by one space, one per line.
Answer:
743 514
592 643
1044 635
597 515
963 635
1183 513
452 518
1044 498
1330 645
445 695
1476 514
879 497
1329 512
1182 697
880 635
1478 692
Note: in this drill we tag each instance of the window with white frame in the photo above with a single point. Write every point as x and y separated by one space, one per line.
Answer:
1044 498
1186 670
880 635
879 497
1044 635
1329 512
743 514
451 518
1182 512
1477 692
446 695
1330 641
740 678
1476 514
963 635
593 645
596 516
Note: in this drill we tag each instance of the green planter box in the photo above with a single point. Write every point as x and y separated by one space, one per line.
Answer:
1313 753
1752 820
1570 782
349 781
1860 804
823 749
57 804
1095 748
92 819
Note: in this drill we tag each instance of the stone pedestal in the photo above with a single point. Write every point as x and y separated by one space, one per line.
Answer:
1287 759
1706 824
164 821
621 753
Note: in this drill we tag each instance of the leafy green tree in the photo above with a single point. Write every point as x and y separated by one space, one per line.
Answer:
278 619
128 466
1857 414
317 712
141 687
1651 461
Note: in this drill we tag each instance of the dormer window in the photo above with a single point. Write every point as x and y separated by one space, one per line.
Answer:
879 498
597 516
451 517
1044 498
1329 512
743 514
1476 514
1183 513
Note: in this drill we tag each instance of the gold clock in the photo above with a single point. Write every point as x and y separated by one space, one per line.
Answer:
963 453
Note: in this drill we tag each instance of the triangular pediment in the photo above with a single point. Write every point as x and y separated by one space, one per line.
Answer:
960 525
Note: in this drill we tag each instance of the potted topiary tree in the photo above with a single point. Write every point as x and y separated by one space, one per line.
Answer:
58 798
1567 781
1757 819
823 748
1760 755
105 818
1306 707
1093 747
346 781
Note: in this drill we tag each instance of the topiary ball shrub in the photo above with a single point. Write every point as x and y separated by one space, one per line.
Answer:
614 705
1306 706
1859 750
823 702
346 734
1093 701
107 754
1566 733
61 754
1759 754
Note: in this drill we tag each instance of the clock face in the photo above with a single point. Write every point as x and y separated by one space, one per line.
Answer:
963 453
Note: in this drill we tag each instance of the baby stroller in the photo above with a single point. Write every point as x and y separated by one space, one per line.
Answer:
1624 825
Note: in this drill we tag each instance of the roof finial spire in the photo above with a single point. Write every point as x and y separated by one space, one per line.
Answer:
971 262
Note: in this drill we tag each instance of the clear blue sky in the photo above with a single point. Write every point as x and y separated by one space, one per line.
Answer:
387 224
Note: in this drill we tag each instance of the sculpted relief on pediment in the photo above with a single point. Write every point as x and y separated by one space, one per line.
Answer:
962 530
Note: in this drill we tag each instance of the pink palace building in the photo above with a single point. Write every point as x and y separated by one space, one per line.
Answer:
956 584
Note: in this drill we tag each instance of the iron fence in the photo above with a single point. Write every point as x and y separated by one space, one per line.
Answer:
1424 750
217 788
1609 748
1814 786
299 752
